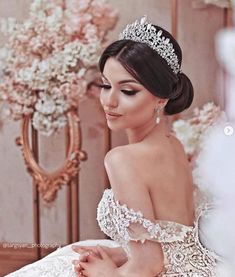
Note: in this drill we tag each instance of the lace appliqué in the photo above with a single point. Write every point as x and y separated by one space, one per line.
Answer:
184 255
121 223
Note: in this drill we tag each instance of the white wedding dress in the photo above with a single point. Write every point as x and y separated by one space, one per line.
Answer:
184 254
201 250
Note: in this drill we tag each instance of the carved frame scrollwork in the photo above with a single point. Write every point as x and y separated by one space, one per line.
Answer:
48 183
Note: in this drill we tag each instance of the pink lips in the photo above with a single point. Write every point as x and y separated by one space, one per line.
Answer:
112 115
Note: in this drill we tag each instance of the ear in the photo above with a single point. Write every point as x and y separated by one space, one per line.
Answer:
161 102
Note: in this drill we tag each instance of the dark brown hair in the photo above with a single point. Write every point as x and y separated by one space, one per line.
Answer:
152 71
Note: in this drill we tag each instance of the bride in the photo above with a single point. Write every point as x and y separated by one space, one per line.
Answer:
149 212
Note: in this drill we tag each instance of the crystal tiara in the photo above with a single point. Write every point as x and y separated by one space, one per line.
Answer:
143 31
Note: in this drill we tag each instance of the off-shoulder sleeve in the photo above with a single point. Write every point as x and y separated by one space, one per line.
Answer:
123 224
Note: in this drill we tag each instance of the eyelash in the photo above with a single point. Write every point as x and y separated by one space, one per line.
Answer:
127 92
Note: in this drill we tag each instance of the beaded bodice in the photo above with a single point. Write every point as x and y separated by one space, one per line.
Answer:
184 255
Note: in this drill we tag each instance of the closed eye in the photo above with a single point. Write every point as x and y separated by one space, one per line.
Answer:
127 92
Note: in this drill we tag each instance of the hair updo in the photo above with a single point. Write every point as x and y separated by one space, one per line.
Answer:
152 71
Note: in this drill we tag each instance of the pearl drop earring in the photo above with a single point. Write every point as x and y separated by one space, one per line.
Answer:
158 115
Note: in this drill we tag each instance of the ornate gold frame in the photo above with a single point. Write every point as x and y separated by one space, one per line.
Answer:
48 183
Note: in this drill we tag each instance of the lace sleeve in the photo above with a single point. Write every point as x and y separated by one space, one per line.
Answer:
124 224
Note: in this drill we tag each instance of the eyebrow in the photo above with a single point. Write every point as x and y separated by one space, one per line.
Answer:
123 81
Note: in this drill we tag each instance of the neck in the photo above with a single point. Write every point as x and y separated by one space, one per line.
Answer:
139 134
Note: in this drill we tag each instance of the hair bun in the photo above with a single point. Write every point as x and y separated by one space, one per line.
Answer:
181 97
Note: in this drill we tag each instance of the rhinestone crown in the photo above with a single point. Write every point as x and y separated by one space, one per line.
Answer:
143 31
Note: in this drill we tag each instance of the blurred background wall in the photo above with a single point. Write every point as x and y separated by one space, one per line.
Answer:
196 29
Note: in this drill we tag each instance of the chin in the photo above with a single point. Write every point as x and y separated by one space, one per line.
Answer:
115 127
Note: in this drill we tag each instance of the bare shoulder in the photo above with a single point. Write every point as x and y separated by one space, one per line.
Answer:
126 180
132 157
136 163
120 163
120 154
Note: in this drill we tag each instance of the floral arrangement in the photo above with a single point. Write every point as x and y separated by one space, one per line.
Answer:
218 3
189 131
49 59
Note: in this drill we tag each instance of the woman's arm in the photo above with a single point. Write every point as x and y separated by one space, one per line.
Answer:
119 256
146 260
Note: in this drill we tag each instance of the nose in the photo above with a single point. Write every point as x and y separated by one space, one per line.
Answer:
110 99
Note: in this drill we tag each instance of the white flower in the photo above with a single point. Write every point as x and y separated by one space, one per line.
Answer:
25 75
81 73
189 131
54 21
187 134
44 67
45 106
48 125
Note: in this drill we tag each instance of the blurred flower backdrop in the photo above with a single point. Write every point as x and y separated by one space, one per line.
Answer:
50 58
218 3
190 131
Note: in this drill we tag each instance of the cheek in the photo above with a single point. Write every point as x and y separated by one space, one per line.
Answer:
139 109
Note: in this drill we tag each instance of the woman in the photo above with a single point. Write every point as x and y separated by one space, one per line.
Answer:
149 210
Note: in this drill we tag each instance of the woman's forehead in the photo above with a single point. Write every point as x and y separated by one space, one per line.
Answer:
114 70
